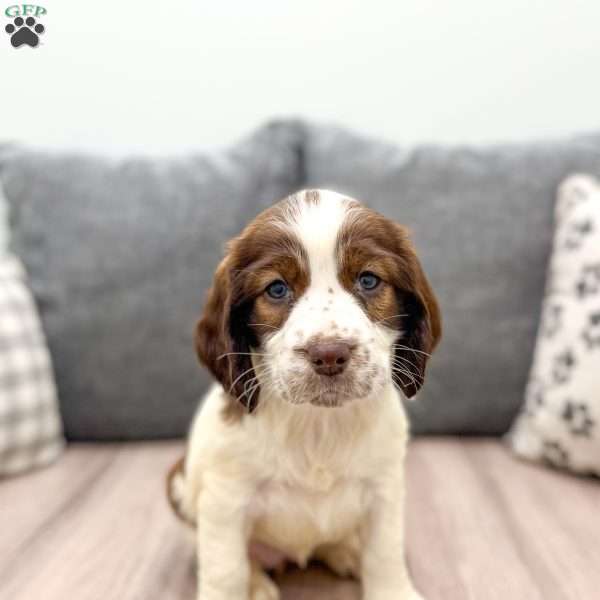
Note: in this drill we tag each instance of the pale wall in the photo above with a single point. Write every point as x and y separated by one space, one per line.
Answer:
163 77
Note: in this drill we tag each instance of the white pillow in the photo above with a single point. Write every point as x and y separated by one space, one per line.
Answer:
30 426
560 420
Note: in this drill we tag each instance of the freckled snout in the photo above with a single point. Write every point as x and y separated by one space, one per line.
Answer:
329 357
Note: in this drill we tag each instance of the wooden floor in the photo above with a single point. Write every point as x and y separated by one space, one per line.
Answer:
481 526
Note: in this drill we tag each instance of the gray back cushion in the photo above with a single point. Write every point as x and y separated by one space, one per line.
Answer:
3 223
482 224
120 255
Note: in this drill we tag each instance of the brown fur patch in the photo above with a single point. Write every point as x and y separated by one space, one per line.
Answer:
269 315
238 313
404 299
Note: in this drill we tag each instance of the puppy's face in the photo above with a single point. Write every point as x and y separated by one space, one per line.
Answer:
319 300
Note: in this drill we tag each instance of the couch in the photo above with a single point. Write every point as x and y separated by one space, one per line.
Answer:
119 254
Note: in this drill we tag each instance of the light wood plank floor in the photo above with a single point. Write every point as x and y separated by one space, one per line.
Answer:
481 526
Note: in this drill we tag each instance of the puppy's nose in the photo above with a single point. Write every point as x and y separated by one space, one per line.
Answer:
329 358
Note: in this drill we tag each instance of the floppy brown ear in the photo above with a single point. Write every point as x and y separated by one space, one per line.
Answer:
224 340
421 330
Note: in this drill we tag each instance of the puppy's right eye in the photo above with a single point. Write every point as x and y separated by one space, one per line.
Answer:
368 281
278 290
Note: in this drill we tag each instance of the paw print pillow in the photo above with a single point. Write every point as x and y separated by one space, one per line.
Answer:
560 420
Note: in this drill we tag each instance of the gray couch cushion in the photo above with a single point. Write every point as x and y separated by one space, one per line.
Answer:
3 223
119 255
482 223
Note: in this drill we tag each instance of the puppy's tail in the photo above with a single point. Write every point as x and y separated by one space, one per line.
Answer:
176 492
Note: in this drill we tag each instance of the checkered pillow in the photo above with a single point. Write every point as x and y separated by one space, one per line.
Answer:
30 426
560 421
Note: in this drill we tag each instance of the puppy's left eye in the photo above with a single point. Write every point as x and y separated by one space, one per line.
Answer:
368 281
278 290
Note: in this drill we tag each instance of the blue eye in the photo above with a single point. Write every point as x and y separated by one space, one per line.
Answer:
368 281
278 290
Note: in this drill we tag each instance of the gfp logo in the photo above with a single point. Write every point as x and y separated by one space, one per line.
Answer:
24 28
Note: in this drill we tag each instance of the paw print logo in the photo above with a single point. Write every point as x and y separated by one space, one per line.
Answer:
591 335
24 32
563 365
589 281
578 419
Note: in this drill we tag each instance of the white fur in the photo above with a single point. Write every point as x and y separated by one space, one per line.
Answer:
326 308
307 480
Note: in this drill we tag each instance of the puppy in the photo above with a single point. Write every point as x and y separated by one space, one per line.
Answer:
319 319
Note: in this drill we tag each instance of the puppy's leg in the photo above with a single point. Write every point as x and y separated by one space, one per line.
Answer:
384 572
342 558
224 571
262 587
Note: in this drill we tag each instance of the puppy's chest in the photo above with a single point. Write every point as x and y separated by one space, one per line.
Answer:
297 514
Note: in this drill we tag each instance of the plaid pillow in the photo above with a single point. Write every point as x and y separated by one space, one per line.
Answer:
30 426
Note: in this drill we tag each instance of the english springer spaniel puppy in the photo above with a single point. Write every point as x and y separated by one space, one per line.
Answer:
319 320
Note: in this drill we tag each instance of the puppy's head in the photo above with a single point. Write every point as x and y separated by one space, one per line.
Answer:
319 300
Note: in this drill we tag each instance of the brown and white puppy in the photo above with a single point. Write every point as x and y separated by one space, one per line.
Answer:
319 319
